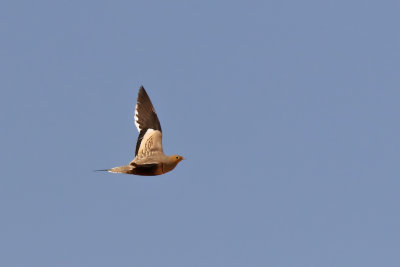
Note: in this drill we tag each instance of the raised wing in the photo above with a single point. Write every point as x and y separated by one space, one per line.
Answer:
148 125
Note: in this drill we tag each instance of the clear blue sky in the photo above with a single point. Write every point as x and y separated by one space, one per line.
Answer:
288 113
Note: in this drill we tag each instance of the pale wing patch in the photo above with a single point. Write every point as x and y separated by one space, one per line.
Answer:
151 144
136 118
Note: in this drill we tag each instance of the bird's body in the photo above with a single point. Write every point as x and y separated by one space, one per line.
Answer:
149 155
163 164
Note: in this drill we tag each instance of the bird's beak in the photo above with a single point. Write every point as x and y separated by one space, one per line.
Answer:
183 158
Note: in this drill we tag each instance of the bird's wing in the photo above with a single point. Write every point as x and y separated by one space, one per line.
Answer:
150 134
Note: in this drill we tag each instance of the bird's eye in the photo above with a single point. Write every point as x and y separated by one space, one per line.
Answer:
177 157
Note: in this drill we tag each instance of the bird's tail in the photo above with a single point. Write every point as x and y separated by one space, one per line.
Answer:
105 170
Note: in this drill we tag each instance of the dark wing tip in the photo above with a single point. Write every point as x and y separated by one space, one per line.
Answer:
146 116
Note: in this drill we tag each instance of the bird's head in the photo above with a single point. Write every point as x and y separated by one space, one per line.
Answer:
176 158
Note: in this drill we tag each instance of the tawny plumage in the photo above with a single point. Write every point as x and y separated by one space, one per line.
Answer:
149 155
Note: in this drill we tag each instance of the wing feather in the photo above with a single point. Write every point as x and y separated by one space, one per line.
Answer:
145 114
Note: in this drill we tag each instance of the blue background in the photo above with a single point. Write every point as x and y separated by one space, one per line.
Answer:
287 113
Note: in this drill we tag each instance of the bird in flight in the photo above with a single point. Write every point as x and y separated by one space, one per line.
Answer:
149 158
